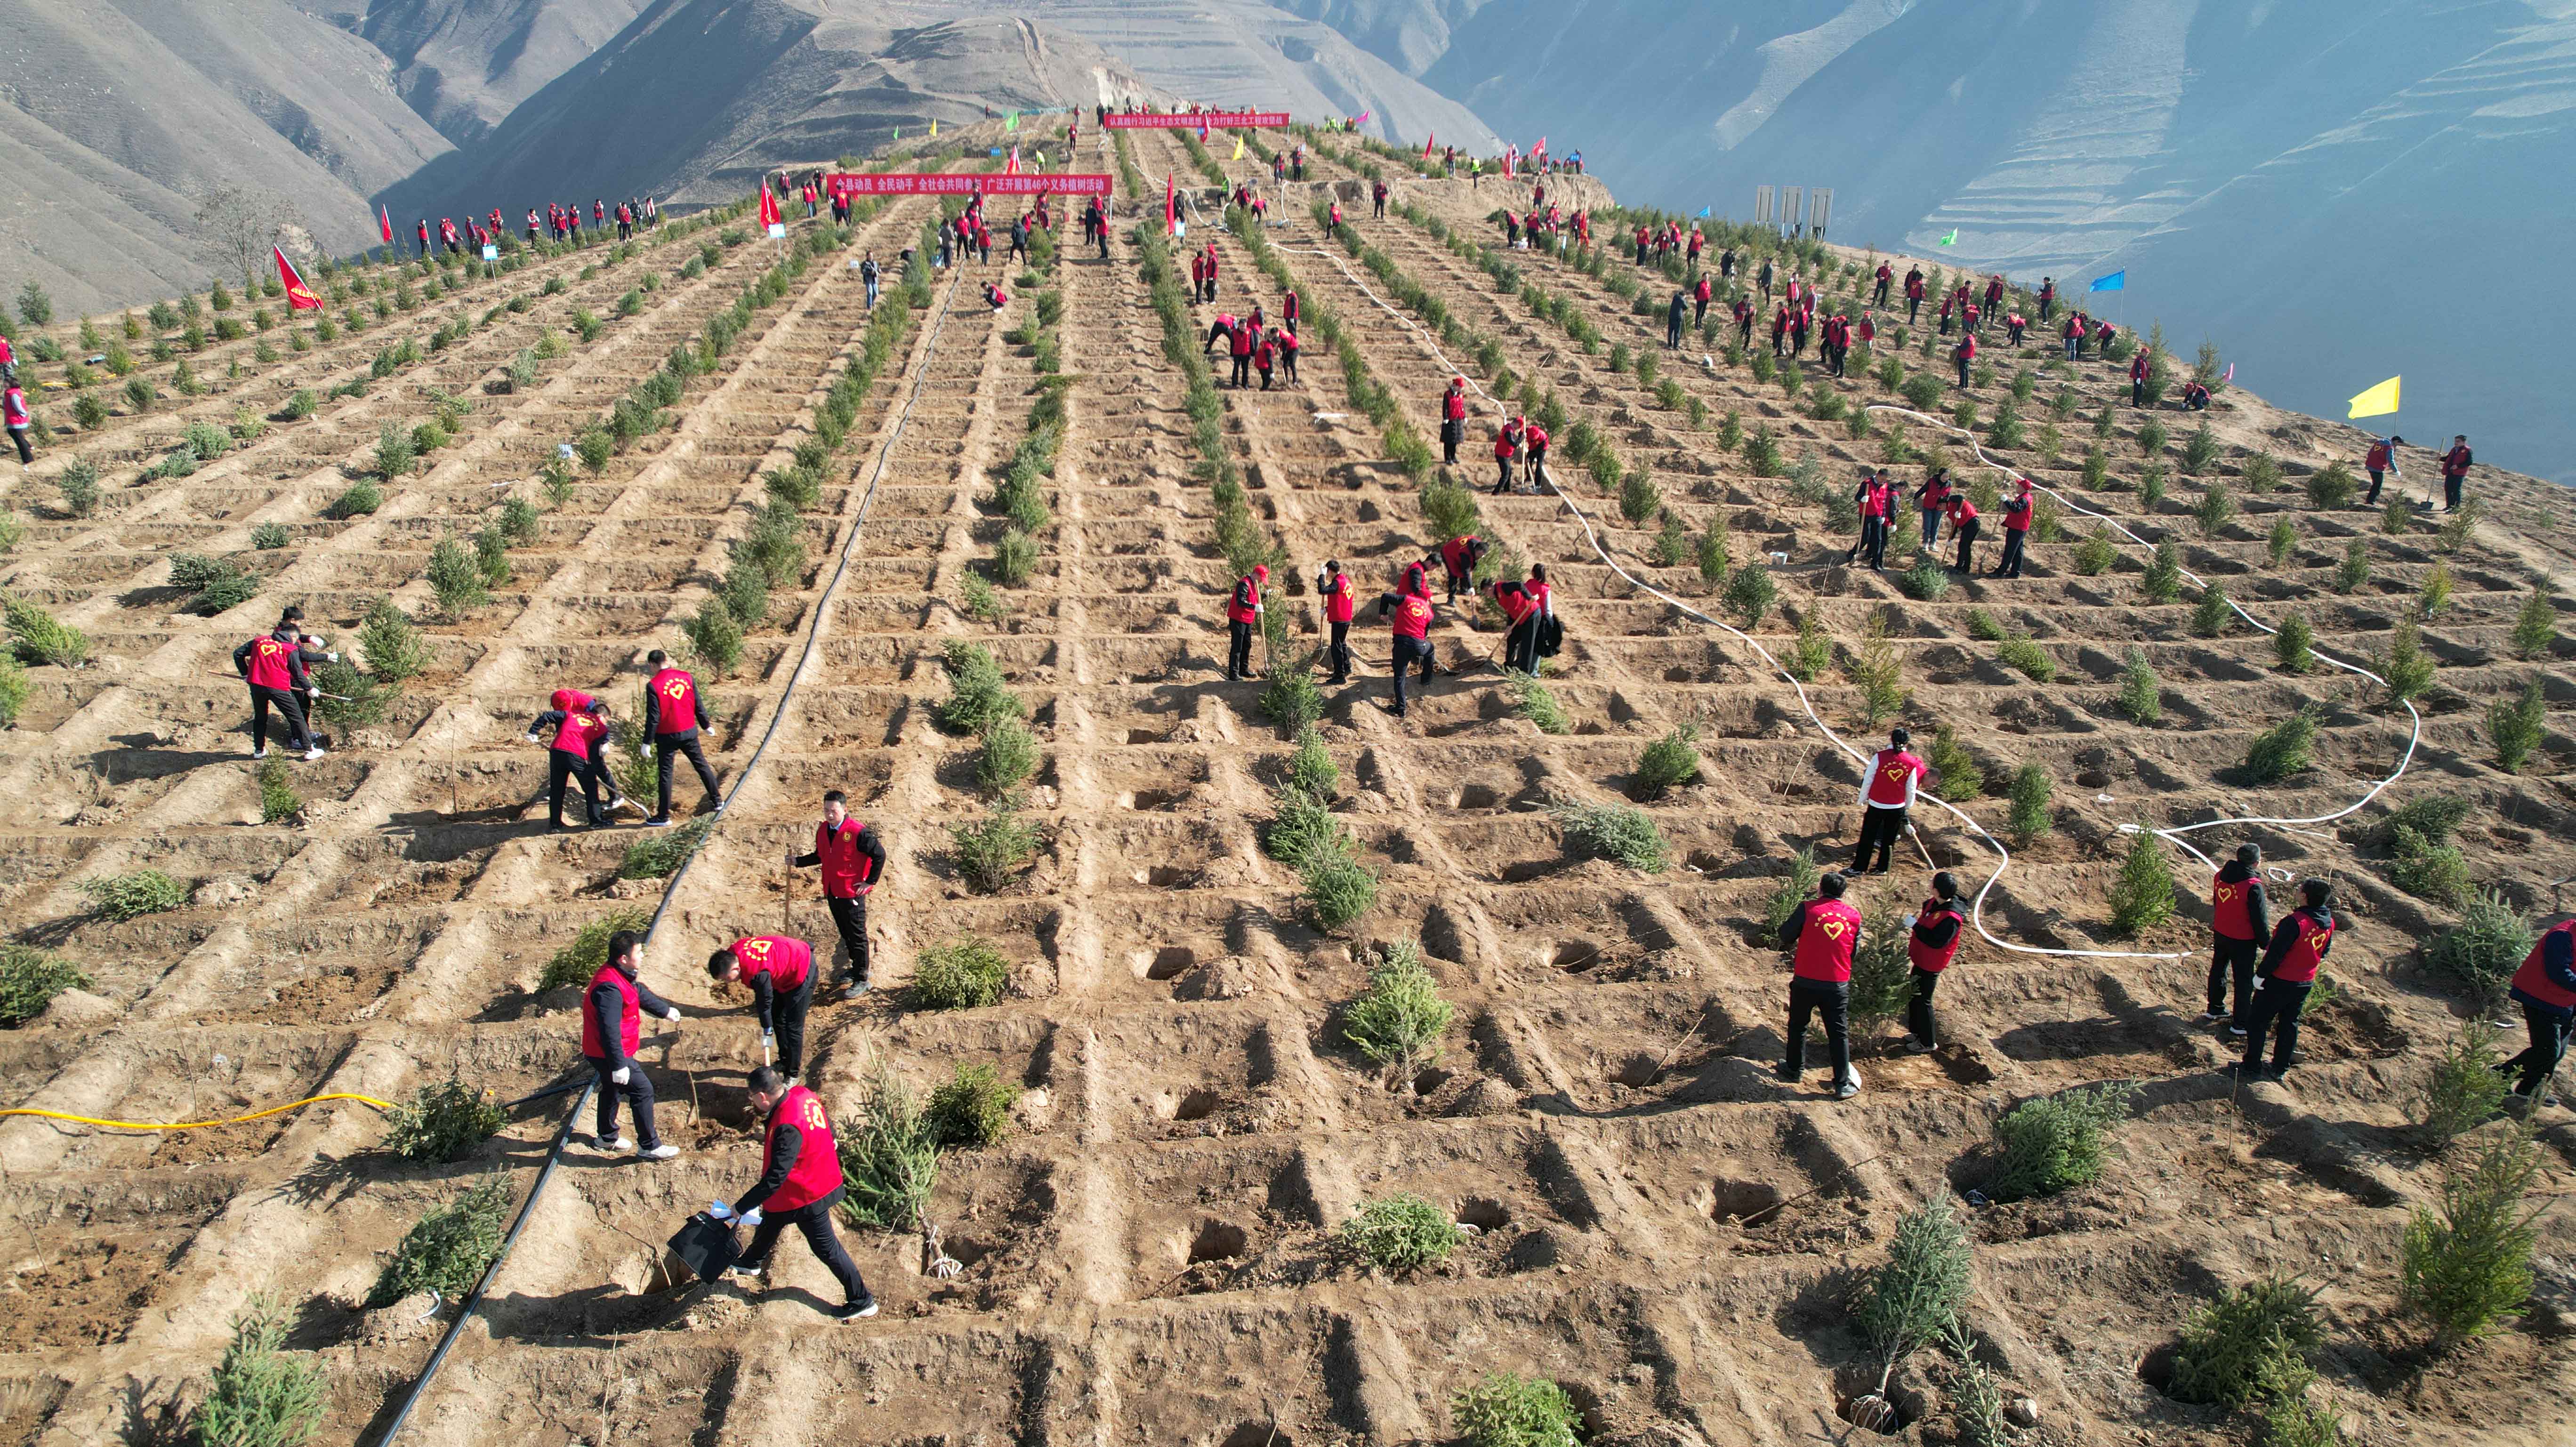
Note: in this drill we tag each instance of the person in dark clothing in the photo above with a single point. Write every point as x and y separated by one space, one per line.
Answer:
1242 615
580 723
1334 587
273 664
853 861
2240 919
1676 316
2455 472
611 1027
2545 987
1410 632
2282 981
1453 420
678 713
800 1182
779 972
1821 936
1931 943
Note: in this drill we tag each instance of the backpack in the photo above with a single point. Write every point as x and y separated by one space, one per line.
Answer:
1551 635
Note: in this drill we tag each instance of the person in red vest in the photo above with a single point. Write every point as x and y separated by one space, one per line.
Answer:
1534 453
1242 613
1521 643
1886 276
1240 343
273 664
2074 334
580 723
1932 939
1334 587
1994 294
1963 523
1453 420
625 221
1744 322
1265 356
1887 788
2141 366
853 861
1697 242
532 226
2019 509
1410 632
13 404
1933 498
2545 987
1198 277
2015 325
1507 450
612 1014
1458 559
2380 460
1947 302
1211 270
2240 917
1377 193
779 972
995 296
1780 331
1913 294
1286 341
800 1182
2283 979
1220 330
2455 471
1701 293
1963 354
678 713
1870 497
2047 298
1821 935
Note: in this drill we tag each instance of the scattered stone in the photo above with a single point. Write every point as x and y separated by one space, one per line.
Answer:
222 890
1042 797
2022 1412
1228 977
410 1319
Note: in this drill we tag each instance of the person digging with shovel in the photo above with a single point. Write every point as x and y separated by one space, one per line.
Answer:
778 971
800 1181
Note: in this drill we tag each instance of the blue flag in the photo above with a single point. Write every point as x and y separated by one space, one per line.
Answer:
1703 213
2116 281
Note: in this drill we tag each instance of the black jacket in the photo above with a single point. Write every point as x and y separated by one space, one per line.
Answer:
2258 907
784 1150
606 1006
1937 934
2287 934
295 678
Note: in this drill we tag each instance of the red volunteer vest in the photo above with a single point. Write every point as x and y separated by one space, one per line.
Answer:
2533 978
2228 913
1888 773
1337 605
268 663
844 867
675 701
1825 946
1925 958
817 1172
1413 616
629 1020
787 962
1243 604
2299 966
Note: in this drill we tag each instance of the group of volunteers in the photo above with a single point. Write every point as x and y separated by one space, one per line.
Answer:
1253 343
1880 496
562 222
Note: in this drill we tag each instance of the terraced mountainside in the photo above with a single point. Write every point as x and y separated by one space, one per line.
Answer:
1155 1246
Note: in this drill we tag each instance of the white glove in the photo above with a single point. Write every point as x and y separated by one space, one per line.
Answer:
2261 980
751 1217
671 1014
720 1210
768 1040
791 859
1910 919
620 1075
528 738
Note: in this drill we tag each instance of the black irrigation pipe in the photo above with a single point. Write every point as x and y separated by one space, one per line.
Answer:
778 715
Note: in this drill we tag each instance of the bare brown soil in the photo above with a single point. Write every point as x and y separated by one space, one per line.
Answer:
1660 1223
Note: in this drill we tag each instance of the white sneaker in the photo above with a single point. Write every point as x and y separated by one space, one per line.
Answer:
259 753
662 1152
1847 1087
621 1144
311 754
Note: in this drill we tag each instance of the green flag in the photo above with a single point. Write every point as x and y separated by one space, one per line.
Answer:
1952 239
1013 123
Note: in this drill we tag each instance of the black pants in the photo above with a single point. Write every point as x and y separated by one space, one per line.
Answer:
1810 998
1449 430
1456 581
2451 493
787 1013
637 1091
1537 467
665 746
1381 211
850 917
1340 651
1913 306
2275 1005
1918 1011
1265 379
1699 311
288 706
1520 646
1243 369
1104 243
26 453
1672 332
2549 1031
1963 374
2377 477
561 768
1288 361
814 1218
1879 297
2010 566
1872 547
2231 965
1408 651
1967 544
2046 306
1879 829
1238 652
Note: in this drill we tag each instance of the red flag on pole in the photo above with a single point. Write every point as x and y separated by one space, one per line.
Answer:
299 297
768 206
1169 203
1426 147
387 219
1011 167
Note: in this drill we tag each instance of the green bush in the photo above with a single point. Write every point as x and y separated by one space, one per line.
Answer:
1639 498
1399 1019
1960 777
2487 945
1618 832
2294 646
2031 660
358 500
993 849
2162 581
889 1159
1667 762
2215 510
2212 615
1810 652
1982 624
278 801
30 979
1507 1410
1338 888
2249 1345
971 1108
2332 486
967 973
36 638
215 584
450 1249
2094 556
78 483
2055 1143
269 537
1311 769
1534 702
260 1396
2535 625
660 853
2466 1088
1926 580
574 964
443 1121
2434 816
134 893
2283 537
2142 897
1402 1232
1749 595
1882 977
2517 725
1449 510
2408 668
1009 756
1303 830
2430 869
2466 1263
1918 1295
714 636
745 592
396 451
391 643
2030 794
2283 749
2354 570
456 576
978 692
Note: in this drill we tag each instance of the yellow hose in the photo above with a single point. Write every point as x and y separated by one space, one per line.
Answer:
197 1124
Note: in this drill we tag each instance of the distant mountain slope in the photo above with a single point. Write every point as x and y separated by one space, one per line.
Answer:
121 114
2310 182
464 65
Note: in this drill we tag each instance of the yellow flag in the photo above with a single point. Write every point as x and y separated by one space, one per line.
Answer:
934 128
2377 401
1238 148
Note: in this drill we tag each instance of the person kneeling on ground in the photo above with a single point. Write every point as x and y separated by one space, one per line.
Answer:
800 1182
1821 936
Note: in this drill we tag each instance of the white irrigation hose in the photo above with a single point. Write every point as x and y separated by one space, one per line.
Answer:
2003 857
